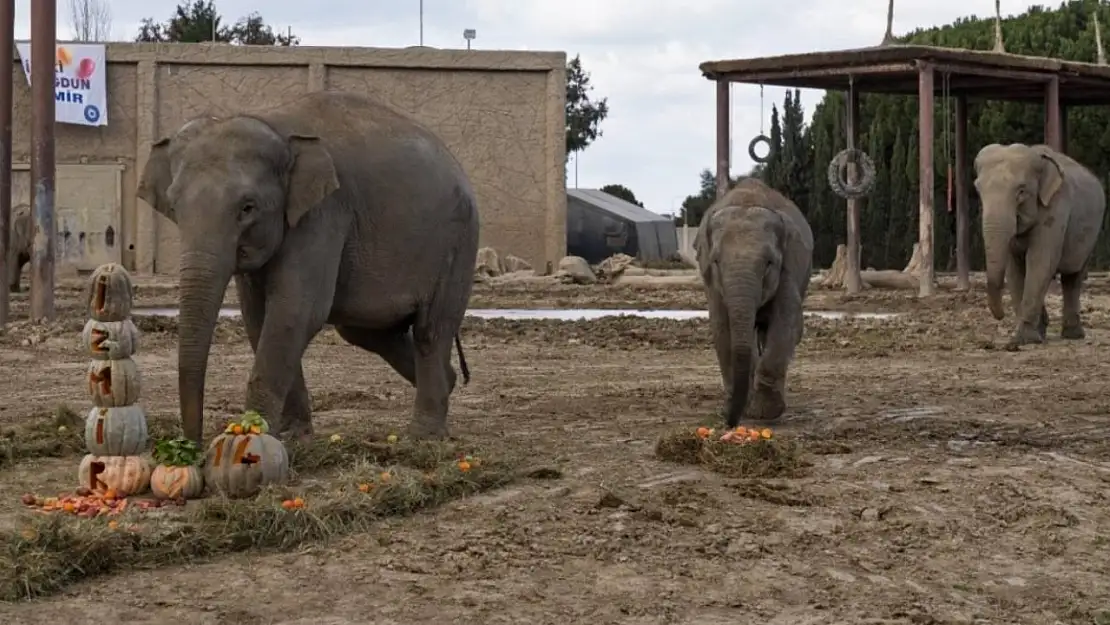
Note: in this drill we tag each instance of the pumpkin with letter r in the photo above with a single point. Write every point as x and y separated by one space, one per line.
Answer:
109 295
244 458
177 474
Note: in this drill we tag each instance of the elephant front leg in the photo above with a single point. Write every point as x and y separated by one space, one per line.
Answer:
769 399
1030 328
722 344
296 412
1072 287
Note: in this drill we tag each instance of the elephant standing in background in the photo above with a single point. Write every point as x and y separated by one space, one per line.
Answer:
1042 213
330 209
19 246
755 254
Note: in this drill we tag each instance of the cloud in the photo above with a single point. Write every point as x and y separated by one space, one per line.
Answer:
643 55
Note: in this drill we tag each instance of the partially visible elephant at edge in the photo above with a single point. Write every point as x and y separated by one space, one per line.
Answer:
330 209
1042 214
19 246
755 254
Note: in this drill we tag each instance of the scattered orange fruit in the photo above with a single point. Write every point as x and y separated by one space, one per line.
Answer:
236 429
703 432
113 524
364 488
385 476
287 504
765 433
464 466
298 502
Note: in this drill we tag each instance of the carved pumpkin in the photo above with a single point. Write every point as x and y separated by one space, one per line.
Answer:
110 340
114 383
238 465
126 475
174 482
109 293
117 431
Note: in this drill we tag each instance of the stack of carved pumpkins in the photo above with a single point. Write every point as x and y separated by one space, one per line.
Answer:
116 429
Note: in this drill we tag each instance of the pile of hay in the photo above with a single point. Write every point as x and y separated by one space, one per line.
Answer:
760 459
45 553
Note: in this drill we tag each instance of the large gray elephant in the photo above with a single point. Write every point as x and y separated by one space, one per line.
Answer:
331 209
1042 213
19 246
755 254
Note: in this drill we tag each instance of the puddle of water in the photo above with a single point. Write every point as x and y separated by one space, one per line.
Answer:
577 314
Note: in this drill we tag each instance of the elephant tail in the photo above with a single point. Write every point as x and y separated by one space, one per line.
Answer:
462 361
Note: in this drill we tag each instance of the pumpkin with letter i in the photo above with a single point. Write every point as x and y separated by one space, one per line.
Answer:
109 293
244 458
177 475
110 340
114 383
124 475
117 431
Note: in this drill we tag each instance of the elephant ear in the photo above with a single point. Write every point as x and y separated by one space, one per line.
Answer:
313 176
156 178
1051 178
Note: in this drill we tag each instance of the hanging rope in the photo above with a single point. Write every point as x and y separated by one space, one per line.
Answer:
838 168
760 138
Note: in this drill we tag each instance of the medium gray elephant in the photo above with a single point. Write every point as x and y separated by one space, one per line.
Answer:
19 246
330 209
755 254
1042 213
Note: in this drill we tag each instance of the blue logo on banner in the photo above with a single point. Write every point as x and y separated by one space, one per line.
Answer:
92 113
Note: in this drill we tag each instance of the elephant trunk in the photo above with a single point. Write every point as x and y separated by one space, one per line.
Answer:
999 229
742 295
204 279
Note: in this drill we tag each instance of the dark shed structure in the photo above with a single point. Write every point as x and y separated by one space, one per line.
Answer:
600 225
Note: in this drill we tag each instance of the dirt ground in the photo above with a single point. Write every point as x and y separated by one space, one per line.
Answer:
966 485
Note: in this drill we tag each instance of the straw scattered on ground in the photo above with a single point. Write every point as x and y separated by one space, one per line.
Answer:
759 459
46 553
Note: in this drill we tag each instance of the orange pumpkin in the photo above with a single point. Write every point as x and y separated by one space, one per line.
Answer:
125 475
238 465
113 383
109 294
176 482
110 340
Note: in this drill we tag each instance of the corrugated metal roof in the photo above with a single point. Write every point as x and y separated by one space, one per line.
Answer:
615 205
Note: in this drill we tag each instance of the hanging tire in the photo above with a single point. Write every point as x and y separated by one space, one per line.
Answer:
764 139
838 174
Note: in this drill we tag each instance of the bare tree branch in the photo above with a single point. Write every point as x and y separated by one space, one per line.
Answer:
91 20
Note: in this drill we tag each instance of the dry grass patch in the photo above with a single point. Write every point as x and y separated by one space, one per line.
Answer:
763 458
48 552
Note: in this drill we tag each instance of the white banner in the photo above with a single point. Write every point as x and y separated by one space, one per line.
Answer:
80 89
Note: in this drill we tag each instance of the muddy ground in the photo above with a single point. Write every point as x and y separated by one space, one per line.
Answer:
969 484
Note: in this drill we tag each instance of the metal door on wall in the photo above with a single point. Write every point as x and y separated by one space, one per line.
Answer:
87 213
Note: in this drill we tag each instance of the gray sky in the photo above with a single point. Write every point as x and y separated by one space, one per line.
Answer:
642 54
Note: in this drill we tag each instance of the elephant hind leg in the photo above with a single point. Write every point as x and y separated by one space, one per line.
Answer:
395 346
1072 287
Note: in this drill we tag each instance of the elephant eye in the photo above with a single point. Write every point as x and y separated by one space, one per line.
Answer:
247 207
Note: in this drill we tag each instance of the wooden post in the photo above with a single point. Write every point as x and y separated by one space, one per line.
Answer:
7 61
44 39
723 137
1053 135
963 240
925 91
853 283
1063 128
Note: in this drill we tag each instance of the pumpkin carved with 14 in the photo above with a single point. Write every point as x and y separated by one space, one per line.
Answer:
238 465
114 383
126 475
116 431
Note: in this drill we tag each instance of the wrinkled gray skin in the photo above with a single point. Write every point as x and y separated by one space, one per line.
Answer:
755 253
1042 213
19 246
332 209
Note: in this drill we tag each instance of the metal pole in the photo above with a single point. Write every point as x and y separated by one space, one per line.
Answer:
7 60
44 15
421 22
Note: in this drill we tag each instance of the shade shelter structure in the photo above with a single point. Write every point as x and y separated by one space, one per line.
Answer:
927 72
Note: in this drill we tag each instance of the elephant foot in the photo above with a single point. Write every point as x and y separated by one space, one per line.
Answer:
767 405
1073 332
428 429
1025 335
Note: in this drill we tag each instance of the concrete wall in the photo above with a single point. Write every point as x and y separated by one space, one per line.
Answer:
500 112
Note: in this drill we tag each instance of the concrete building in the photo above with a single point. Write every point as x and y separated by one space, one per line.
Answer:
500 112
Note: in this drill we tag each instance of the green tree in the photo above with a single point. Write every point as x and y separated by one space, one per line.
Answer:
584 114
623 192
200 21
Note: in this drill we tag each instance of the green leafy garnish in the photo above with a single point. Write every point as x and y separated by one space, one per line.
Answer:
177 452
